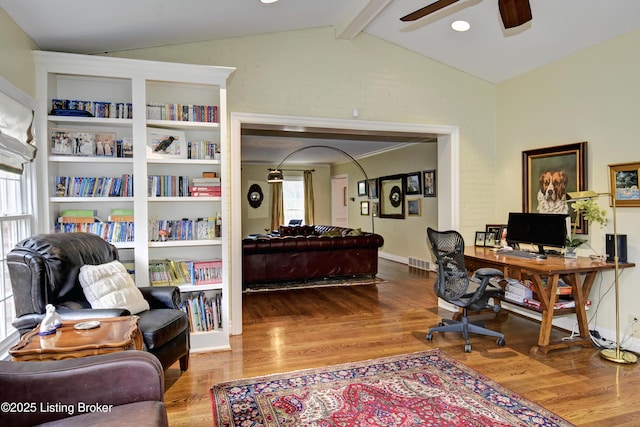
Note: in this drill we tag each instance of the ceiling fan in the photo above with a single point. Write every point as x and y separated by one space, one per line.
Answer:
513 12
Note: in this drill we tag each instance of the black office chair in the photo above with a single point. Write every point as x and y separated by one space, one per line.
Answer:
454 285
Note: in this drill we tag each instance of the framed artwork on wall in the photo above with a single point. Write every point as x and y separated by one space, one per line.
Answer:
372 187
429 178
624 184
362 188
392 196
364 208
414 183
414 207
548 174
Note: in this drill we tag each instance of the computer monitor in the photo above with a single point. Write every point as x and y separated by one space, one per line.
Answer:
538 229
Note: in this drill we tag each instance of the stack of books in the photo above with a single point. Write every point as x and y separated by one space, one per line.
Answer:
206 186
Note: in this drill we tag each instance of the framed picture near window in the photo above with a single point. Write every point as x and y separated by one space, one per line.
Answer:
548 174
624 184
364 208
429 179
362 188
414 183
372 187
392 196
480 235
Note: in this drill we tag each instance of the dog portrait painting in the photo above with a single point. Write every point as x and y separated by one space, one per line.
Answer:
549 174
552 192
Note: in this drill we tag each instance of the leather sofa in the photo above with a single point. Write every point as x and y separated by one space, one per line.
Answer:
44 269
305 253
114 389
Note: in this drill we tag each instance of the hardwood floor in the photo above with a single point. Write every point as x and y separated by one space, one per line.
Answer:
298 329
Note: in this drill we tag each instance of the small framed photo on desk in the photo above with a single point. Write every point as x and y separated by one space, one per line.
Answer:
480 238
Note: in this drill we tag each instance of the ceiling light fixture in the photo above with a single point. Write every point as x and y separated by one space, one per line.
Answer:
268 1
460 26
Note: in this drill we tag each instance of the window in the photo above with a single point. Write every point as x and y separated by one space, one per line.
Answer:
17 196
293 198
15 225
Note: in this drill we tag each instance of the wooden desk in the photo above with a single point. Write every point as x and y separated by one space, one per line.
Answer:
552 269
113 334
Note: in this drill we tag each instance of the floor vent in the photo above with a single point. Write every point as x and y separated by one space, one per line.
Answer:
418 263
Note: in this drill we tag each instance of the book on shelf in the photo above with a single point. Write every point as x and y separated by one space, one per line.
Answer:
180 112
79 213
93 186
207 272
114 232
167 186
204 228
204 310
170 272
77 219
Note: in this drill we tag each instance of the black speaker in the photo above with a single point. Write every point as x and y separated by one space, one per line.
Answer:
622 247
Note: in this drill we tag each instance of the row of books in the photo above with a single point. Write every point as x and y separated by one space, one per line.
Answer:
114 232
178 186
99 109
184 272
205 150
184 113
161 230
93 186
204 311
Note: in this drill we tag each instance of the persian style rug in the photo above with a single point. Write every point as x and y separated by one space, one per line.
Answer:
426 388
313 284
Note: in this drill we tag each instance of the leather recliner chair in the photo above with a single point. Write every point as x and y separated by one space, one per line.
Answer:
44 269
123 388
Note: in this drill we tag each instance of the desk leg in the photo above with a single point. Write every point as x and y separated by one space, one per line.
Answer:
547 300
580 292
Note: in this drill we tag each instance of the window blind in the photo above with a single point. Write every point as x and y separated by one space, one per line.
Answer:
16 121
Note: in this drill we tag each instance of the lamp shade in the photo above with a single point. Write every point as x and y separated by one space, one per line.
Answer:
588 194
275 175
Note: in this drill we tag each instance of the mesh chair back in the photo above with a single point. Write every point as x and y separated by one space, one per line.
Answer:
448 248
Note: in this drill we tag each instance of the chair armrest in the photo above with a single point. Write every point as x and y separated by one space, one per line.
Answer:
107 379
162 296
488 272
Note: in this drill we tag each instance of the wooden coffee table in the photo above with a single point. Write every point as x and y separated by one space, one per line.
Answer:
113 334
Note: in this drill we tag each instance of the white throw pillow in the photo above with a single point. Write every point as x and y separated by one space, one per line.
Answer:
110 286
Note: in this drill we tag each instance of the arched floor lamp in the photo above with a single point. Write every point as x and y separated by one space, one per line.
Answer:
276 175
614 355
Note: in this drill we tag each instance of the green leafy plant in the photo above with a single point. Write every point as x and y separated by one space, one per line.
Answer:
590 211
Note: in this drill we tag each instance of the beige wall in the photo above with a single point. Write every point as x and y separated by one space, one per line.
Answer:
15 50
590 96
403 238
310 73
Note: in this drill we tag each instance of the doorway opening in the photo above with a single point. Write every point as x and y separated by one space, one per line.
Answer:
446 137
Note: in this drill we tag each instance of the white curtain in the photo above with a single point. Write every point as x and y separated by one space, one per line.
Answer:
16 136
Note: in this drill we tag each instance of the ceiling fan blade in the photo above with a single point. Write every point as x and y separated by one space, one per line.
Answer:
433 7
514 12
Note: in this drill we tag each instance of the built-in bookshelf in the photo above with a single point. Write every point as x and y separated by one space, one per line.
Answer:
139 146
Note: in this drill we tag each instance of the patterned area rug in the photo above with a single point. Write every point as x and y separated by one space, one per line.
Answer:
426 388
313 284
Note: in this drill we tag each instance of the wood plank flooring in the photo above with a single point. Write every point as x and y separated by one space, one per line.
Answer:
298 329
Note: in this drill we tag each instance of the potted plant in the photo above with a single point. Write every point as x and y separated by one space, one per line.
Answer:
590 211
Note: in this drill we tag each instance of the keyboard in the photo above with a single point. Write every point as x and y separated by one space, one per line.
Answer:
519 254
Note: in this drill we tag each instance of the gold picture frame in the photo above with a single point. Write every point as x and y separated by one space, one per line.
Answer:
624 184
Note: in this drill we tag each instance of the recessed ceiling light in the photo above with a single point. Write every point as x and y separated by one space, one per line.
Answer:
460 25
268 1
